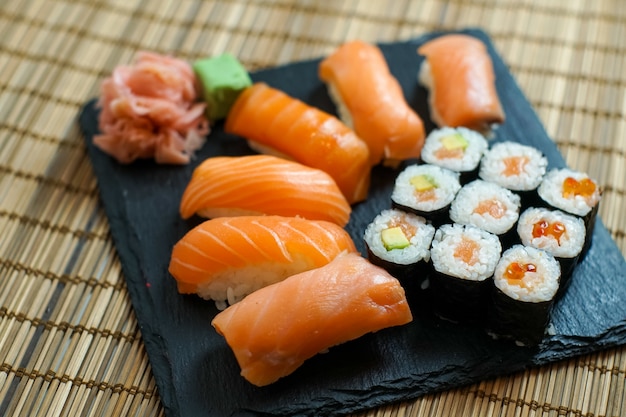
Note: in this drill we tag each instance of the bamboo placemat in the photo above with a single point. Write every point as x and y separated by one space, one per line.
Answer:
69 341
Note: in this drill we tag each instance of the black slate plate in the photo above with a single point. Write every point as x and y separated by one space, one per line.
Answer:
196 372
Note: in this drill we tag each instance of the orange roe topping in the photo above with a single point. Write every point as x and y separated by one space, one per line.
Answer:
514 165
584 188
545 228
494 207
516 271
467 251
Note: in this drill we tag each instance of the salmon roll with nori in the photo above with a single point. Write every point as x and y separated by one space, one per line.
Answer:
426 190
457 149
463 261
573 192
400 243
514 166
489 207
526 281
558 233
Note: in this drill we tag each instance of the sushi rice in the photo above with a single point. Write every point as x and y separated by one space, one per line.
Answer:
232 285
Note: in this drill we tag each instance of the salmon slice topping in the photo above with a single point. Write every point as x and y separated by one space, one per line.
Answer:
515 165
584 188
545 228
467 251
516 272
494 207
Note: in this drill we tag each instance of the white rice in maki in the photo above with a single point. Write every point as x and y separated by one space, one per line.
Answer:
426 190
514 166
526 281
486 205
398 241
457 149
463 259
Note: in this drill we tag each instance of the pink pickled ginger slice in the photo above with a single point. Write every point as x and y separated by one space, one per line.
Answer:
150 110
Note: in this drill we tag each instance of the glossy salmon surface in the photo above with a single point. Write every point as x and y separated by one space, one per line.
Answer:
276 123
252 251
359 78
461 80
263 184
274 330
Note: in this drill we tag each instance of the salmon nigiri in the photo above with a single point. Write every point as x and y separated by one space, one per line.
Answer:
459 73
226 258
274 330
273 122
370 100
263 184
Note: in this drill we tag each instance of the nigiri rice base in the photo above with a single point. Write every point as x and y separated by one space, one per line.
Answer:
425 78
342 110
233 284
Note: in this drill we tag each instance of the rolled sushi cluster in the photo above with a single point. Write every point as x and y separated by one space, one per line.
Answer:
499 234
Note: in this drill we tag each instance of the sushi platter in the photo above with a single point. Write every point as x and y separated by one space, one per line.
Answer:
195 370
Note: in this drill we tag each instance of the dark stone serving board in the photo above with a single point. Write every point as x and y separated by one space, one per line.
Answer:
196 372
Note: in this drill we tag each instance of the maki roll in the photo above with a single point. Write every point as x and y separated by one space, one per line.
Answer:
426 190
488 206
457 149
558 233
400 243
575 193
514 166
463 259
526 281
